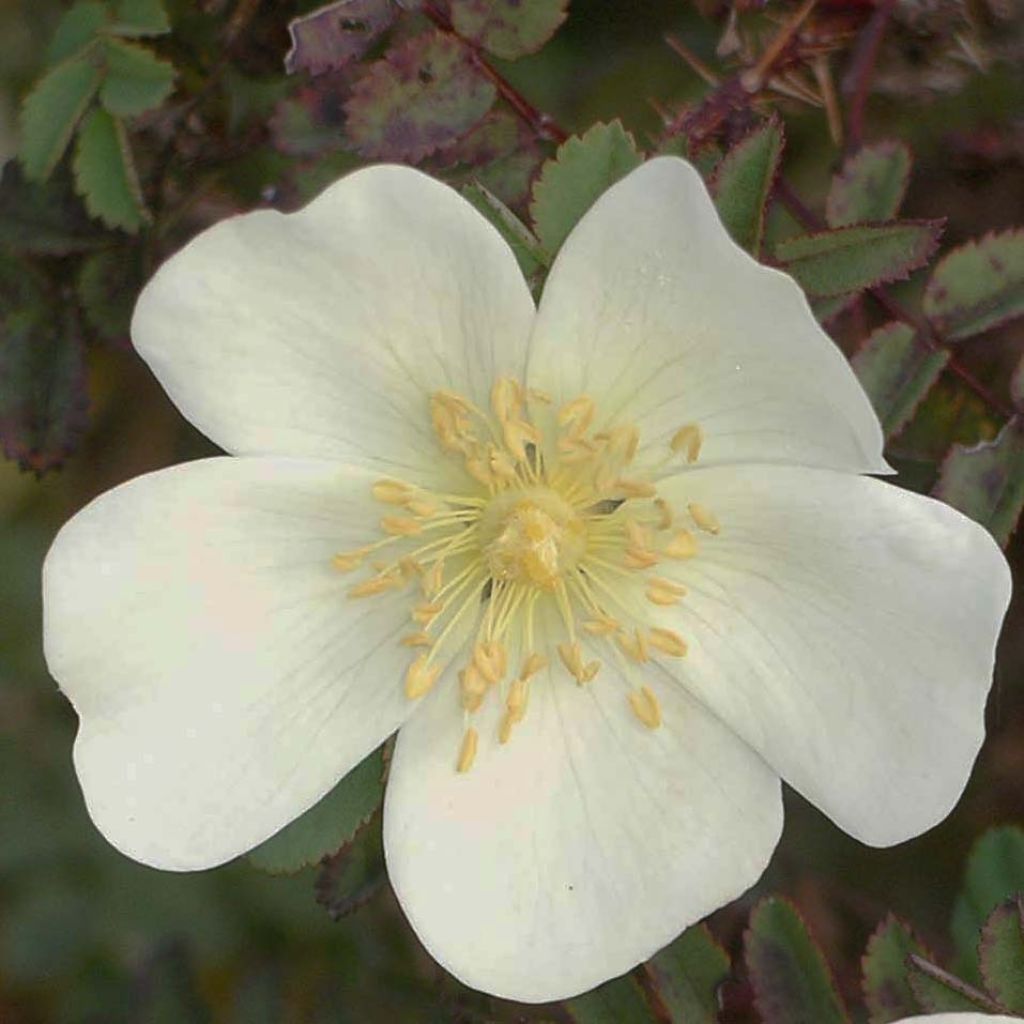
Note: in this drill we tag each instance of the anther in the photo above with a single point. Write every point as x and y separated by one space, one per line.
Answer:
391 492
533 664
516 434
572 658
420 639
682 545
664 592
409 567
633 645
646 707
401 526
688 439
432 579
506 398
425 613
375 585
668 642
664 513
347 561
635 488
590 670
505 728
518 696
491 660
467 754
603 626
639 558
421 507
703 517
420 677
473 687
577 415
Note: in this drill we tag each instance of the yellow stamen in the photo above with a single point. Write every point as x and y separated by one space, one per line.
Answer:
688 439
668 642
375 585
505 728
517 433
577 415
572 658
646 707
533 664
703 517
417 640
633 645
491 660
467 754
639 558
346 561
603 626
421 507
401 526
682 545
420 677
473 687
391 492
425 614
634 488
589 671
432 579
506 398
518 696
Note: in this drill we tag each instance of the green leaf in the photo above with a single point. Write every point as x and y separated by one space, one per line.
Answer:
871 185
687 975
351 877
508 28
167 989
105 173
977 286
986 481
424 94
43 400
76 29
616 1002
46 219
51 112
1001 952
583 167
897 369
885 973
310 121
108 285
827 308
792 982
136 80
854 258
519 237
333 36
141 18
327 826
995 871
744 180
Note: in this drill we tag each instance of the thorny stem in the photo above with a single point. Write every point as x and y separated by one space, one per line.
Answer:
955 984
862 67
924 328
542 125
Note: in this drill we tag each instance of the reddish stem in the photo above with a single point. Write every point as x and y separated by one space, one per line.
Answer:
862 67
924 328
542 125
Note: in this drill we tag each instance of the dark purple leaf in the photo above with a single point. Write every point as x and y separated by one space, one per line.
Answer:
871 185
508 28
337 34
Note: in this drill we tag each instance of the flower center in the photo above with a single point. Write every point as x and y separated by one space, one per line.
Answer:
558 522
532 537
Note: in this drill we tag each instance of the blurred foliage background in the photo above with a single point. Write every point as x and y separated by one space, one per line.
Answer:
88 936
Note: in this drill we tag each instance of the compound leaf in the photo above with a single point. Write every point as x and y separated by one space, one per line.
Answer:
141 18
76 29
687 974
615 1002
424 94
105 173
333 36
978 286
1001 954
871 185
885 970
583 167
508 28
136 80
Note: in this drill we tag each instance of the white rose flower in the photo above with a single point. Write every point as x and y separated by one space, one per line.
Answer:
959 1018
611 565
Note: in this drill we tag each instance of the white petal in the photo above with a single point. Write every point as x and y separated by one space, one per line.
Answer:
652 310
846 629
223 678
959 1018
321 333
582 846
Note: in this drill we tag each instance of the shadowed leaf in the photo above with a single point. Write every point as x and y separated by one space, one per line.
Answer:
792 982
166 989
43 401
105 173
986 481
616 1002
136 80
508 28
42 219
141 18
977 286
1001 954
519 237
885 969
421 96
337 34
871 185
1017 385
854 258
108 285
744 180
687 974
938 991
351 877
51 112
897 369
311 121
328 825
583 167
76 29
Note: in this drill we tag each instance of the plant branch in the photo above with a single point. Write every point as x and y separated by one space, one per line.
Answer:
542 125
955 984
862 67
894 309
